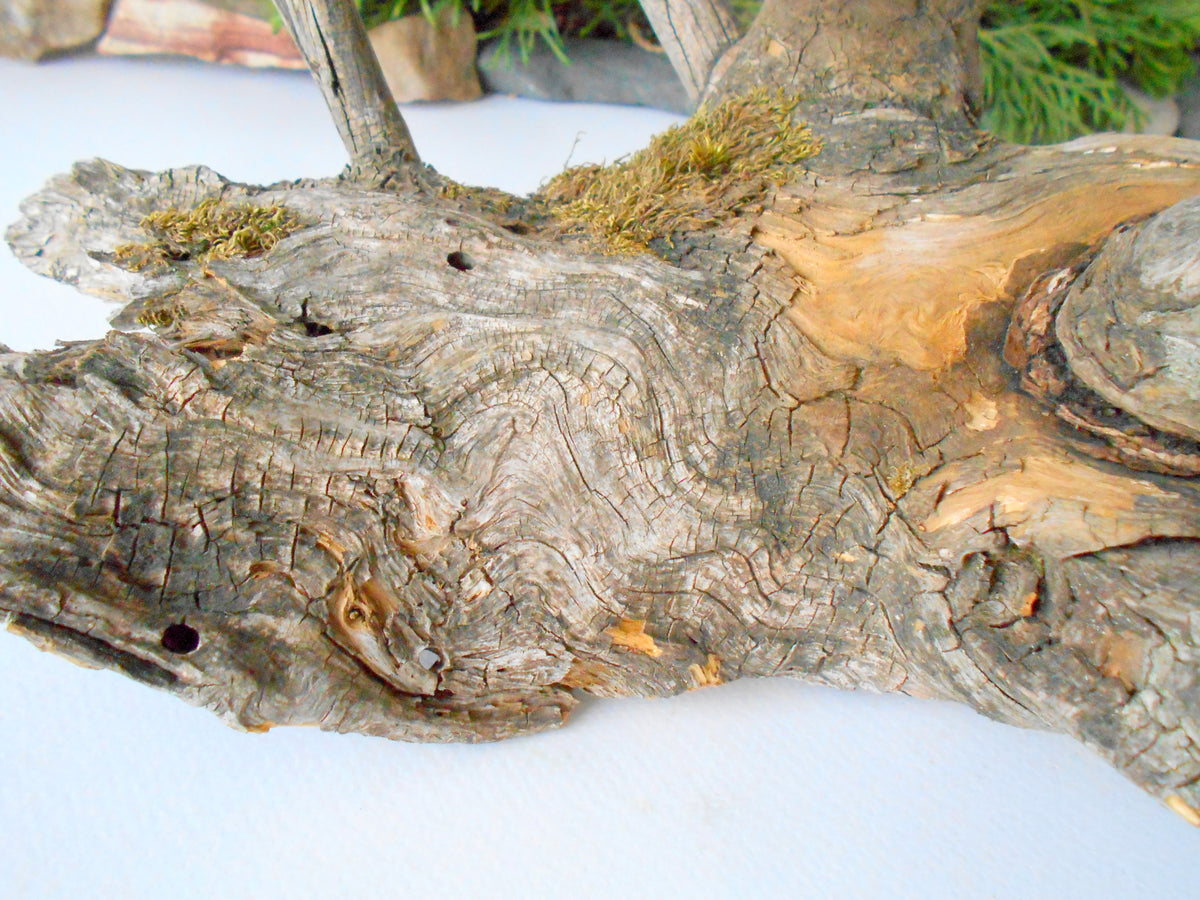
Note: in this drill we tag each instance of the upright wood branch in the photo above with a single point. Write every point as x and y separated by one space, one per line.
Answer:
847 55
331 35
694 33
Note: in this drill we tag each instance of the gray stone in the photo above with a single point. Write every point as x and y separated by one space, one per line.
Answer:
1161 114
428 61
31 29
1189 109
599 72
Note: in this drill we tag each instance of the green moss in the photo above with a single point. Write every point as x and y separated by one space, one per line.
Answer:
213 229
692 176
163 313
149 256
484 199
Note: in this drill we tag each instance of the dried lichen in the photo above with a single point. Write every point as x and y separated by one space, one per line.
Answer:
901 478
691 176
486 199
213 229
141 257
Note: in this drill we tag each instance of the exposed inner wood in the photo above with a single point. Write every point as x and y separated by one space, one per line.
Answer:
886 274
1061 506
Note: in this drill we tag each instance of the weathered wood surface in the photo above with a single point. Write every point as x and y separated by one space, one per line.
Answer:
694 35
1129 330
419 471
334 43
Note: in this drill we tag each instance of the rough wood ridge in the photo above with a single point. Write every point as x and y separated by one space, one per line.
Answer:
416 461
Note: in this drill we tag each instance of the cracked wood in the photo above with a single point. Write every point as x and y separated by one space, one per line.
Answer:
425 467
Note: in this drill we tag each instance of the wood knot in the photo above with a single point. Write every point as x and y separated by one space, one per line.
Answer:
1107 431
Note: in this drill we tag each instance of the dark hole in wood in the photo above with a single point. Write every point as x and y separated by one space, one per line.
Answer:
316 329
517 227
460 260
312 328
452 222
213 353
180 638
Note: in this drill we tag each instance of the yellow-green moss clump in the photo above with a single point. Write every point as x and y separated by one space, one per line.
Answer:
162 312
214 229
692 176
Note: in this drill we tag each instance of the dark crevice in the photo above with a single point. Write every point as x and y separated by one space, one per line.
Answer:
460 260
91 651
312 328
316 329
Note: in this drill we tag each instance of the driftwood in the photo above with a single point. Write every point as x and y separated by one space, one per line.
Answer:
922 419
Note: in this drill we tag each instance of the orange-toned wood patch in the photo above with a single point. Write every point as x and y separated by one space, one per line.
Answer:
708 674
1065 507
631 635
897 278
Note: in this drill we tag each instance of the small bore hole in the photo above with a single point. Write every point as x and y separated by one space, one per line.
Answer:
429 660
316 329
460 260
180 638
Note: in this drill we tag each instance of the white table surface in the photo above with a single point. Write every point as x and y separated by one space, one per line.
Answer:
767 789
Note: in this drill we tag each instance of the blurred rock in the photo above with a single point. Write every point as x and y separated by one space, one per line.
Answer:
1189 109
1161 113
600 72
190 28
31 29
258 9
426 61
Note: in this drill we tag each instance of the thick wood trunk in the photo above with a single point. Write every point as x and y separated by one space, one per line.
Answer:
426 466
694 36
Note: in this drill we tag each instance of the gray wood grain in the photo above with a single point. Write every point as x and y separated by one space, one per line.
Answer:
694 34
334 43
1131 325
428 466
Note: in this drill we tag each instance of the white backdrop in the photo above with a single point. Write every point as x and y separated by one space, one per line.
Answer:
767 789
